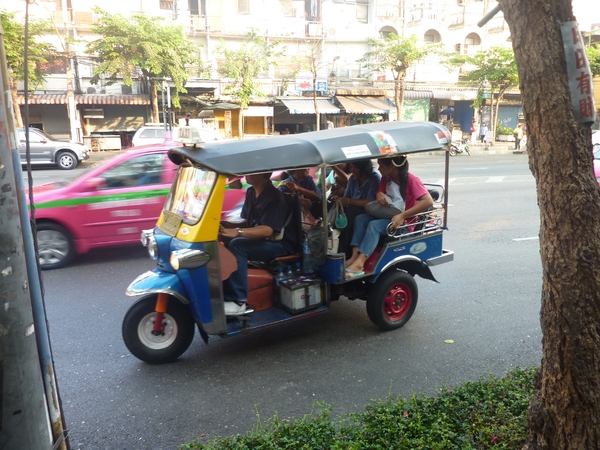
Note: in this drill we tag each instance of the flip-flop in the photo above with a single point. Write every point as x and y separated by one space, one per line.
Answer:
353 273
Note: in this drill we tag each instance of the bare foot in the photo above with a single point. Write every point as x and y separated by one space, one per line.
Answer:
351 260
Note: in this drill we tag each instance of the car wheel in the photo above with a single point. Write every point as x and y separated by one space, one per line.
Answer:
176 334
453 150
55 246
66 160
392 301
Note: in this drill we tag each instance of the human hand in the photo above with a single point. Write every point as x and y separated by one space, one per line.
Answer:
398 220
291 186
382 199
228 232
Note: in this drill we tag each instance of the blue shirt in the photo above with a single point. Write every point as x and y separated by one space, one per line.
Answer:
365 192
307 183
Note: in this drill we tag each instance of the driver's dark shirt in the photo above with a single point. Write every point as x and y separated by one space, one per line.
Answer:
270 209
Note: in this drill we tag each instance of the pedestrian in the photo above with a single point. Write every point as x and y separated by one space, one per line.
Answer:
518 134
473 133
187 119
482 132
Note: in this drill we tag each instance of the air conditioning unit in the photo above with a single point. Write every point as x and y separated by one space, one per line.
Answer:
331 32
91 90
126 90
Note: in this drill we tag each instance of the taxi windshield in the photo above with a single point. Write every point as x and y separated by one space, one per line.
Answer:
190 192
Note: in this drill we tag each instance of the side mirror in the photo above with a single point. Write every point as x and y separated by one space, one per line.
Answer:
94 184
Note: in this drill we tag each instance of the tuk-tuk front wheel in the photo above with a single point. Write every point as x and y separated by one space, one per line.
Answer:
392 301
175 336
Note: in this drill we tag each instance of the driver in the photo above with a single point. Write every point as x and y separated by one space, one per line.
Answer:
264 212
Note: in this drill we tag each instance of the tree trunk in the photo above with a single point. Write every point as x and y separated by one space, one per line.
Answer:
154 102
16 107
565 414
400 103
317 115
241 121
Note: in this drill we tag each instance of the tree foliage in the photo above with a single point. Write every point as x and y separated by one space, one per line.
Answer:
242 66
396 54
142 42
493 70
593 54
39 52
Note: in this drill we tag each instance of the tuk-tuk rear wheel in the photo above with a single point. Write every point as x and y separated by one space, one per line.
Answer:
177 331
392 301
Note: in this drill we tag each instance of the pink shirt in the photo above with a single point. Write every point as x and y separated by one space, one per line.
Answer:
415 189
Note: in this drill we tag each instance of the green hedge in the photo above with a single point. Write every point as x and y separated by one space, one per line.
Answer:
489 413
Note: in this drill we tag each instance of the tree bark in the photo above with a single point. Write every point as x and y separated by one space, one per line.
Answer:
16 107
565 414
153 102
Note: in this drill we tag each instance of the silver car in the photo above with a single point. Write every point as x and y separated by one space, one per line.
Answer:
46 149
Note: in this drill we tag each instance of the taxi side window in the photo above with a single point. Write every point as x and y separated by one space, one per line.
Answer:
140 171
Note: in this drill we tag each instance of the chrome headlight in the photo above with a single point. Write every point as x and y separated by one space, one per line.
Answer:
146 234
188 258
152 248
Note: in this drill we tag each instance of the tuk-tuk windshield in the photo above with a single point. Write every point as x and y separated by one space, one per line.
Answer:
190 192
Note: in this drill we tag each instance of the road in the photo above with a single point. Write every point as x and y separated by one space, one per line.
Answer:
487 302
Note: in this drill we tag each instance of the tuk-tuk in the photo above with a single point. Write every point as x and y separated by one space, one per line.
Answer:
186 287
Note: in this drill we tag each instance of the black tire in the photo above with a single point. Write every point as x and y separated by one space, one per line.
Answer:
392 301
55 246
453 150
66 160
178 331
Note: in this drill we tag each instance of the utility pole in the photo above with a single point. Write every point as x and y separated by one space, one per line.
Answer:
31 415
71 108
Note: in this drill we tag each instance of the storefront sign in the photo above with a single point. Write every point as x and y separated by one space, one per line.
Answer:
579 73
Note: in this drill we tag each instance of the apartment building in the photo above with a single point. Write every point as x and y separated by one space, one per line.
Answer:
339 29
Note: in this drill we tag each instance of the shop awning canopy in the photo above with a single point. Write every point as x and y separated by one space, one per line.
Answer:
365 104
85 99
307 106
463 94
410 94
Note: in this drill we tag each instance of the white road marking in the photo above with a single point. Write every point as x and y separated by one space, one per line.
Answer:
527 238
495 179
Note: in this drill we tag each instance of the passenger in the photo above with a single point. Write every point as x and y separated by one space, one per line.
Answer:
264 216
299 182
361 189
400 196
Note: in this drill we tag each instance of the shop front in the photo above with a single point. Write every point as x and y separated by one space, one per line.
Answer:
297 114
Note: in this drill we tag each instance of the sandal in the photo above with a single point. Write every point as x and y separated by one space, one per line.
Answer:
353 274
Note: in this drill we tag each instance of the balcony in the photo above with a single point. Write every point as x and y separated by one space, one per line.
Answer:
240 25
418 16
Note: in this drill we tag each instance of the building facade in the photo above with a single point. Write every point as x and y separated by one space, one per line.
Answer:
337 29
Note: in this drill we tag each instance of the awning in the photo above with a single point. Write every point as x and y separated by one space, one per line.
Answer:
413 95
258 111
307 106
466 94
85 99
365 104
359 91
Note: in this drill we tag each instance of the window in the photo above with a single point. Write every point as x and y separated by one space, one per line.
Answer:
362 10
140 171
53 66
166 4
243 6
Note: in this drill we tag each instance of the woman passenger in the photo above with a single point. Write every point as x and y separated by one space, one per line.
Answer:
361 189
401 195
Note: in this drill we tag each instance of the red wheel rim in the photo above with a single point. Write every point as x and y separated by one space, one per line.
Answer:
397 302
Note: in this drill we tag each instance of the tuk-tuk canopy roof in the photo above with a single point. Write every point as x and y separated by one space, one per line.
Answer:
317 148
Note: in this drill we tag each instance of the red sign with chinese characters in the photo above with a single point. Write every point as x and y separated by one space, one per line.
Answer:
580 74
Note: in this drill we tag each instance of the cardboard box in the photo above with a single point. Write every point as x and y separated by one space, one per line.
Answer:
301 296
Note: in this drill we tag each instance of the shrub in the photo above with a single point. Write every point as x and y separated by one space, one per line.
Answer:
485 414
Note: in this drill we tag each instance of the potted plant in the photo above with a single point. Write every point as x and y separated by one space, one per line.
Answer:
504 133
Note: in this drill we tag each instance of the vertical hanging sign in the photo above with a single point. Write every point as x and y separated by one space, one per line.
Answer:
579 73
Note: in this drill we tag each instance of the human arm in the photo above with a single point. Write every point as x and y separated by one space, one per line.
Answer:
423 204
258 232
311 193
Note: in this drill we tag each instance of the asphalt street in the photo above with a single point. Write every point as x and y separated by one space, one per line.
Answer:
486 304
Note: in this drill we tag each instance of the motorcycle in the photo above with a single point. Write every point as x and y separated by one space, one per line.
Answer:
459 147
185 290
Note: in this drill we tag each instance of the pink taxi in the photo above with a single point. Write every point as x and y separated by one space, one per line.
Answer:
107 205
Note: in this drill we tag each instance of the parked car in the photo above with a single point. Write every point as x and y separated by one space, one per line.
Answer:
155 134
46 149
107 205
